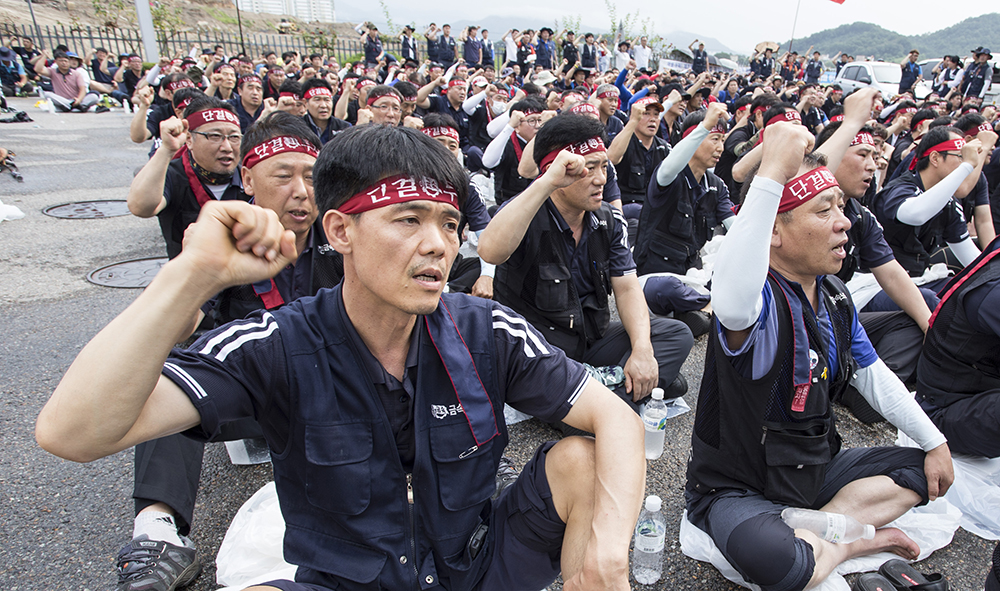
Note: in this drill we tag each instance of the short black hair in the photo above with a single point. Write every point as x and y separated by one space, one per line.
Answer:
313 56
969 121
697 118
531 89
381 90
186 93
287 56
278 123
313 83
775 110
529 103
361 156
440 120
175 77
943 120
832 127
292 86
209 102
765 100
934 137
407 89
922 115
565 129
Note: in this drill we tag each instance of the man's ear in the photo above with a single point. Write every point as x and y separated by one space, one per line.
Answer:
247 177
775 235
336 225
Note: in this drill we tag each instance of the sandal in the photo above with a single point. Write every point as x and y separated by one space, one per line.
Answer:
906 578
872 582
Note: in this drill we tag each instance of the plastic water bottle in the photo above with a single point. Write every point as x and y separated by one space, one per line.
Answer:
832 527
654 417
650 533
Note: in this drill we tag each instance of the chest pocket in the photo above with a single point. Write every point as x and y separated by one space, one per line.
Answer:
682 222
338 477
466 478
553 291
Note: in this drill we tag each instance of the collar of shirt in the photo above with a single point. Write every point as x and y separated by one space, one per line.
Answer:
376 371
698 189
589 223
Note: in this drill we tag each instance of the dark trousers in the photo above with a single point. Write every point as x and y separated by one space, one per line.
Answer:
465 271
972 424
167 470
665 295
671 340
897 340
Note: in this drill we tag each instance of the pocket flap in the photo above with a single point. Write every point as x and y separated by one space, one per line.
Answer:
796 448
553 272
333 445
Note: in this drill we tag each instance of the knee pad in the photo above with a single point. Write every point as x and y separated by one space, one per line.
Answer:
767 553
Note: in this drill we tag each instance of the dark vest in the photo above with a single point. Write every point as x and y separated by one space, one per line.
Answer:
507 183
633 174
588 56
672 234
861 221
913 245
759 435
542 289
975 79
957 361
342 488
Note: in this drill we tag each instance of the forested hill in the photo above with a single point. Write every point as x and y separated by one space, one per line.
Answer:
867 39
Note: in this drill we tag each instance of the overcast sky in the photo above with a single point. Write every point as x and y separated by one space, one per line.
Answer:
739 24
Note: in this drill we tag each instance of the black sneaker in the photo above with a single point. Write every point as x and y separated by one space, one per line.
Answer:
149 565
101 109
506 475
698 321
677 388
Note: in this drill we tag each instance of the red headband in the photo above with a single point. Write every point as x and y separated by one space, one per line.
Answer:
199 118
977 130
719 128
278 145
792 115
836 118
184 103
455 82
182 83
135 58
648 101
441 132
906 110
223 67
371 99
759 109
317 91
291 94
608 94
250 78
955 144
594 144
864 138
806 186
365 83
585 109
399 189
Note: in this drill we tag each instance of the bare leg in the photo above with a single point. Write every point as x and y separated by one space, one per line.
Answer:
876 500
569 469
161 507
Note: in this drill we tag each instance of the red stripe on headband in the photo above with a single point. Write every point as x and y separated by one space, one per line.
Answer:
250 78
836 118
317 91
863 138
184 104
594 144
278 145
182 83
291 94
608 94
977 130
371 99
759 109
955 144
199 118
365 83
786 116
719 128
905 111
441 132
225 67
456 82
585 109
400 189
806 186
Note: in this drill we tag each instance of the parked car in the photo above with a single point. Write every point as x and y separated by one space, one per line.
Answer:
883 76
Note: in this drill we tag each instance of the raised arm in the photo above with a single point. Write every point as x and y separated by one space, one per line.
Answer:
138 132
919 209
616 151
145 195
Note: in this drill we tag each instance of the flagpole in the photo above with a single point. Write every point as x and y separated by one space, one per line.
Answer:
38 31
792 40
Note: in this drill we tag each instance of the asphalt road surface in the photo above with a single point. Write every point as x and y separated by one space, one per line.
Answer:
64 522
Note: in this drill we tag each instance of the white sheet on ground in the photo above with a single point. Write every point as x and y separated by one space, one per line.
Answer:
975 492
9 212
251 551
931 527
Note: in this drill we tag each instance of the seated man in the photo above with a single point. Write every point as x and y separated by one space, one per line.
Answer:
150 112
958 377
175 188
917 210
764 435
503 154
318 96
277 174
684 205
561 251
378 489
70 90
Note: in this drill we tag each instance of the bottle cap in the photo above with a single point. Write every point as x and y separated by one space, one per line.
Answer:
657 393
869 532
653 504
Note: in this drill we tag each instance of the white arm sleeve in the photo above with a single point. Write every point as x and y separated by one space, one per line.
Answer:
887 395
470 104
450 72
485 269
966 251
679 157
152 74
494 152
918 210
497 125
741 265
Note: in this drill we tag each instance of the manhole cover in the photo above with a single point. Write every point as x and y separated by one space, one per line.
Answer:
88 210
137 273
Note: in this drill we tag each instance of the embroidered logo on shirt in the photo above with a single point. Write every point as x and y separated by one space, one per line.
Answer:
441 411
